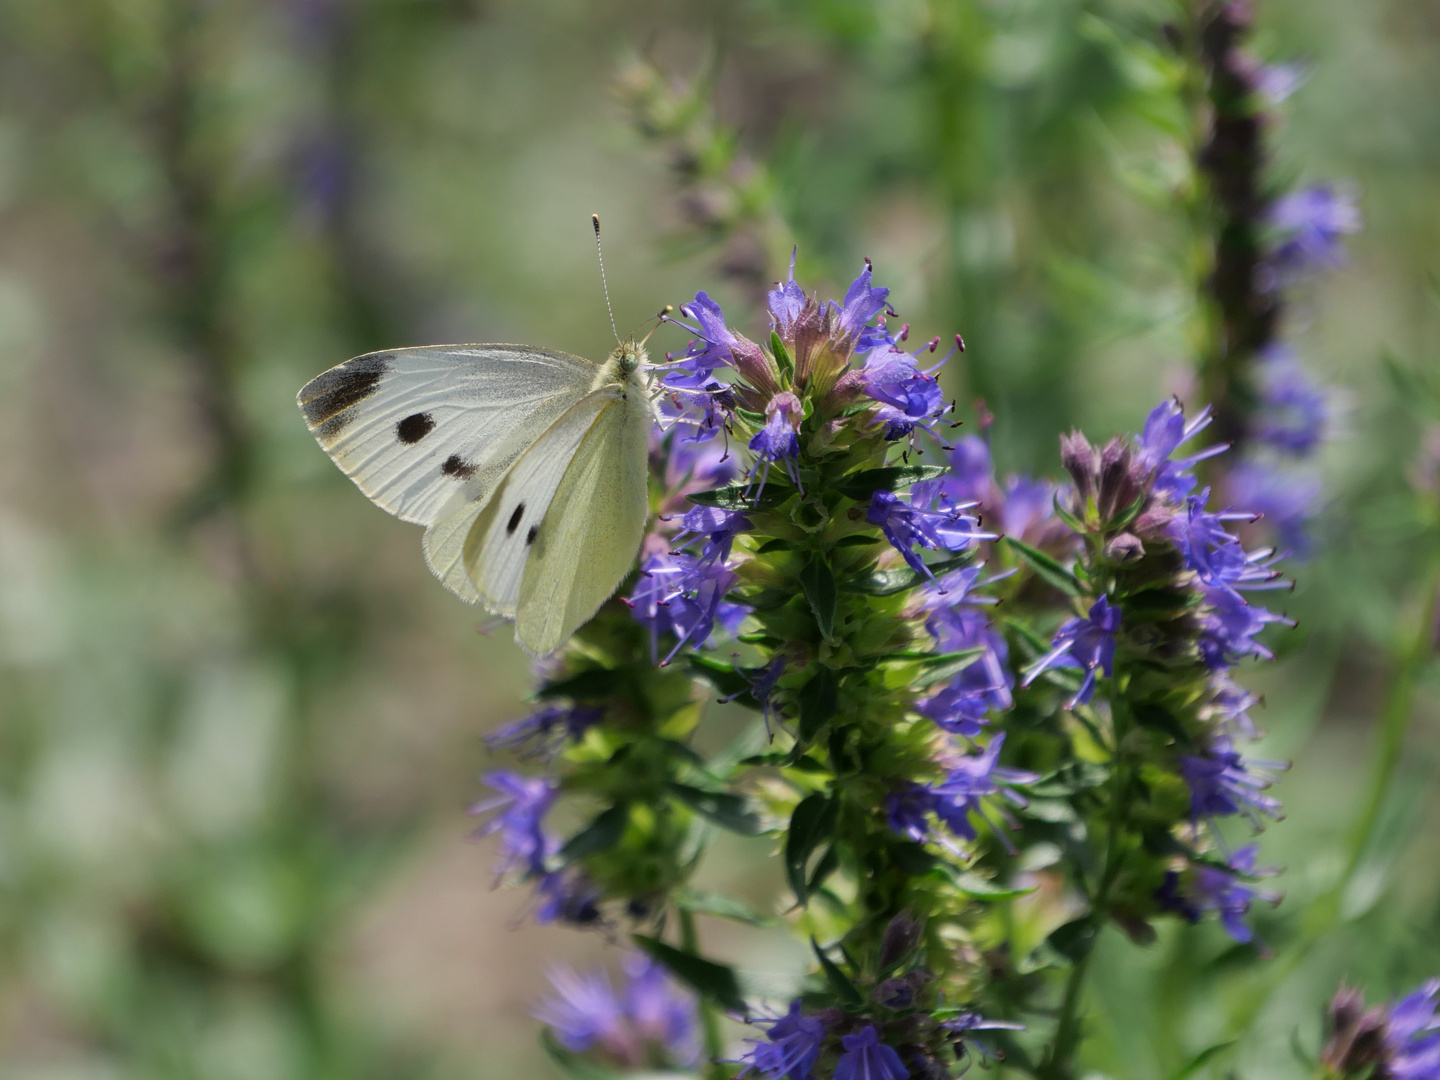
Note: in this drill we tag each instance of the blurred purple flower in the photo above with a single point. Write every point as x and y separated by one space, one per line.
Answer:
522 802
867 1058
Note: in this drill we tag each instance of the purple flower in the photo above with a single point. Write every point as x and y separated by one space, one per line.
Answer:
791 1046
710 349
1211 888
1295 409
544 732
1228 628
971 477
867 1058
587 1013
680 594
1222 782
719 527
659 1010
976 777
762 685
962 704
1312 222
1412 1036
779 439
1208 547
1286 500
908 395
862 303
523 802
964 1025
1165 431
584 1010
1087 643
567 896
1276 82
908 810
786 302
906 525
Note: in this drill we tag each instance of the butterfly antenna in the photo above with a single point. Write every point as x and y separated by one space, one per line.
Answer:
600 254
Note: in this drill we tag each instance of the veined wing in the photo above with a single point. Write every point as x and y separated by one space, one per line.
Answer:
592 530
497 545
415 427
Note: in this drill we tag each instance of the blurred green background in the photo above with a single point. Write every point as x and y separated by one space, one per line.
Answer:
241 722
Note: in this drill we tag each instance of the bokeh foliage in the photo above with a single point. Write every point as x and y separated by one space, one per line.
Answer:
240 721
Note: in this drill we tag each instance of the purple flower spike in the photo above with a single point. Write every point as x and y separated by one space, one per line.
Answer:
719 527
1295 409
1087 643
543 733
1211 888
791 1048
682 595
867 1058
1222 783
523 803
586 1012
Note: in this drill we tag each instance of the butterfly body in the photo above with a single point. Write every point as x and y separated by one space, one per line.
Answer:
526 466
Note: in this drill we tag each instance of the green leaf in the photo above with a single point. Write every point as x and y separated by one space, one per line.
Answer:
592 684
826 865
1047 568
1074 940
718 673
735 497
600 835
811 824
1067 517
981 888
1162 719
945 666
774 545
728 811
818 581
862 485
720 907
707 978
782 358
846 992
858 540
572 1066
1200 1060
819 701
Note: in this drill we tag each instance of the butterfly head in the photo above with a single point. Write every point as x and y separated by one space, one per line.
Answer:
630 356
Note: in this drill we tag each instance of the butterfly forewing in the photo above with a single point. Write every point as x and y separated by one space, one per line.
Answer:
415 428
589 537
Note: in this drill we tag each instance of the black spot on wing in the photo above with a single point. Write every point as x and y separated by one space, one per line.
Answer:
331 393
415 427
530 536
514 522
457 467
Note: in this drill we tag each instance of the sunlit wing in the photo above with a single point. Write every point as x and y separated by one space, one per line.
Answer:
415 428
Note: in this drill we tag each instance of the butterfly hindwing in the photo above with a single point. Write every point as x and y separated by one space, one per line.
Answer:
592 530
504 534
415 428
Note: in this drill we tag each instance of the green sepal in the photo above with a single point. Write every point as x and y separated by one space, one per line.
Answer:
811 823
1067 517
602 834
729 811
591 684
1047 568
819 701
818 581
707 978
782 359
846 992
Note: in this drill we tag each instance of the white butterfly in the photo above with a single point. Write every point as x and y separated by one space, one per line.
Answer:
527 467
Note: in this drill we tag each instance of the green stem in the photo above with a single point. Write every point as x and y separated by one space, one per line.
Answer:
1415 650
1059 1061
709 1018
